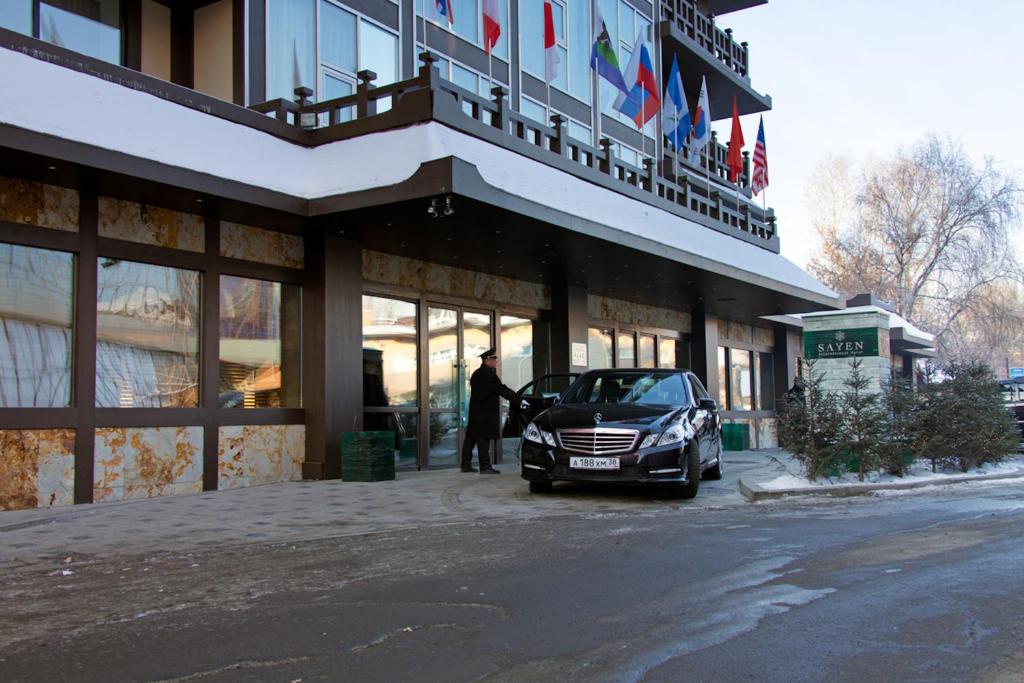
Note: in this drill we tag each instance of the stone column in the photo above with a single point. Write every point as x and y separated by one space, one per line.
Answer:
832 341
568 328
704 353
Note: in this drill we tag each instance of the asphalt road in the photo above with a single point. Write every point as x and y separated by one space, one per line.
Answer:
913 587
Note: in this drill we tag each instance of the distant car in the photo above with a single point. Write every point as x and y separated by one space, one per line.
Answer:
643 426
1013 399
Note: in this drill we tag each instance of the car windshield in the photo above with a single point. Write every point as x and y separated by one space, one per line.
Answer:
643 388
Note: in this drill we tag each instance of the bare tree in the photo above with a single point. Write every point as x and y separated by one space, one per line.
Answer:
928 230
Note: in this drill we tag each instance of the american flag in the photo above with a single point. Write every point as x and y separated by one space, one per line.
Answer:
759 176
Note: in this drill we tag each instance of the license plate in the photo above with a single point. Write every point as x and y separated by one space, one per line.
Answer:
594 463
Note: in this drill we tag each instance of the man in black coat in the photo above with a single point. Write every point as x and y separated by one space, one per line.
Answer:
485 391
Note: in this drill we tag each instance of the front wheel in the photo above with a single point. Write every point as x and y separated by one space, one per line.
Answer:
689 489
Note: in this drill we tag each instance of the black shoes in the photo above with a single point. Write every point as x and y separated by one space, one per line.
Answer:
489 470
469 469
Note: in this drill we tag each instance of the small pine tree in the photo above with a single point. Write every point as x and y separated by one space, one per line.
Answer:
901 403
984 430
864 425
809 426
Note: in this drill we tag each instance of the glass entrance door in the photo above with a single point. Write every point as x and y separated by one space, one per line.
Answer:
455 339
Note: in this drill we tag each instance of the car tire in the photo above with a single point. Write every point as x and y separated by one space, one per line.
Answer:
689 489
540 487
715 473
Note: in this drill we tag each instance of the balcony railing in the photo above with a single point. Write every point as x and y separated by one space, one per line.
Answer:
702 30
698 191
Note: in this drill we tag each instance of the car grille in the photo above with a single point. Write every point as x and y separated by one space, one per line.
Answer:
598 440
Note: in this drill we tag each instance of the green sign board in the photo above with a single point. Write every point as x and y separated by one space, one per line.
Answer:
860 341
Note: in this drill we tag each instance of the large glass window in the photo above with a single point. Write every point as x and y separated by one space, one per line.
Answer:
627 350
147 332
92 28
16 15
36 310
764 375
723 376
389 352
572 38
516 351
468 22
291 47
646 355
599 348
667 353
741 380
337 37
260 333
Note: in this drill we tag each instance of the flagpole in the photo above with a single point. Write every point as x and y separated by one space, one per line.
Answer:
659 133
595 80
423 16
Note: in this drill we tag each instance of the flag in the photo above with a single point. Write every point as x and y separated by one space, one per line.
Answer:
700 133
675 115
602 56
642 103
444 9
735 158
759 175
492 24
550 48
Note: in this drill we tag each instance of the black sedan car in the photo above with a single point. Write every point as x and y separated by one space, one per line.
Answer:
643 426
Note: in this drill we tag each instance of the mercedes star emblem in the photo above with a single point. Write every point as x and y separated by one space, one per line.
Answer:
597 418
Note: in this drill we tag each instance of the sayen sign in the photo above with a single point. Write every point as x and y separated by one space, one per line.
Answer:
852 343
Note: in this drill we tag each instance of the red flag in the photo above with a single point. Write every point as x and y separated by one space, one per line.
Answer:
551 59
735 158
492 24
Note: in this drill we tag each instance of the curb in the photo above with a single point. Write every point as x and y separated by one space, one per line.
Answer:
756 492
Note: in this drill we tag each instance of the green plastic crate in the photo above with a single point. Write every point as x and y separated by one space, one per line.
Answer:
736 437
368 456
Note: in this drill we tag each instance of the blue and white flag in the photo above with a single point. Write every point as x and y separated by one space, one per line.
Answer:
700 134
675 112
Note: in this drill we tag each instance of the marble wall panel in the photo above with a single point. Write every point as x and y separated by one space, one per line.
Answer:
33 203
605 308
37 468
723 330
438 279
147 462
260 454
767 433
764 336
148 224
263 246
741 332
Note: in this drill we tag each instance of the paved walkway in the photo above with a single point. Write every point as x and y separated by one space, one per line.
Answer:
321 509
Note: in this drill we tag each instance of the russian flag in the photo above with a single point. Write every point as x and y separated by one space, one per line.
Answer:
643 102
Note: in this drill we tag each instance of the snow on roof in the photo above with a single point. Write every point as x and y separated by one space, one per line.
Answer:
910 332
178 136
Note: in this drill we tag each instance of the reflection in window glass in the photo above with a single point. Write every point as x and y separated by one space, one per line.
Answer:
260 332
404 427
36 310
599 348
92 28
516 351
378 52
291 44
442 356
627 350
723 374
765 378
147 332
389 352
16 15
667 353
337 37
464 78
741 380
646 355
467 19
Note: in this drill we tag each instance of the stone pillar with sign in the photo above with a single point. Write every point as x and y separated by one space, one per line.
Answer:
833 340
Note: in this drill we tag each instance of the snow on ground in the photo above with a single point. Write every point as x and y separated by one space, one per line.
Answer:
920 471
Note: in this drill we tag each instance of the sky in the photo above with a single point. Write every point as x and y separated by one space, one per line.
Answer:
865 77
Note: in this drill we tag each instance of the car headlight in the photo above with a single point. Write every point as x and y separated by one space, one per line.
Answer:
679 433
538 435
649 440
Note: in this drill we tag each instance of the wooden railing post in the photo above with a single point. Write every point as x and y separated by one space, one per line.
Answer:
500 120
745 51
558 141
429 74
712 155
364 106
303 118
648 181
605 165
745 177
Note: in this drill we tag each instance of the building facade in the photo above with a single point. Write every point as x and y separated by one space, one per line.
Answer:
232 231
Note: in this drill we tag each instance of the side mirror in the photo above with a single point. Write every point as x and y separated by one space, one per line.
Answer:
707 404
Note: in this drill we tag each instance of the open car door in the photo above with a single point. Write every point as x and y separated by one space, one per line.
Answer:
533 399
